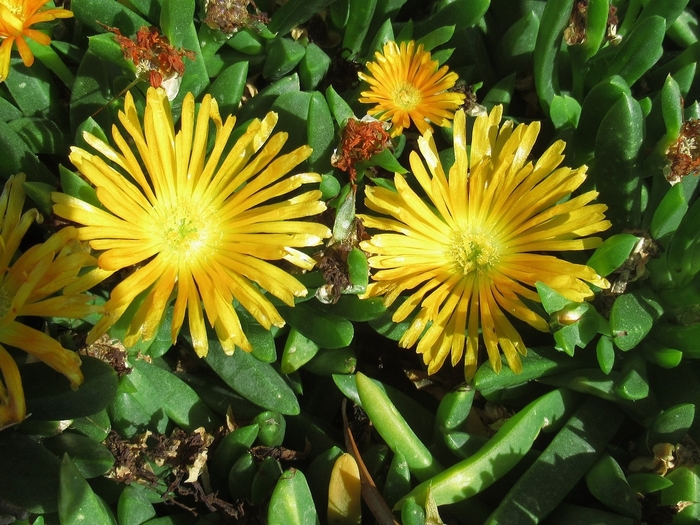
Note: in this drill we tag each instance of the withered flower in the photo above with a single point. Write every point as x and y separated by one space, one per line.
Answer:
361 140
230 16
154 58
683 156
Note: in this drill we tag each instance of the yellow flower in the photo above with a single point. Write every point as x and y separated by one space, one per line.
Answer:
479 247
16 19
28 286
201 227
407 85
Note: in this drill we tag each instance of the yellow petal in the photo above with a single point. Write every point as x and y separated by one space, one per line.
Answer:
13 408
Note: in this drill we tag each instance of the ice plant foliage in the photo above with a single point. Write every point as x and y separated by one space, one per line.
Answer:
200 226
30 286
16 20
406 85
480 244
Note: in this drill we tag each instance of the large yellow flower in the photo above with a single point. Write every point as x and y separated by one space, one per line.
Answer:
29 286
201 226
405 84
479 247
16 20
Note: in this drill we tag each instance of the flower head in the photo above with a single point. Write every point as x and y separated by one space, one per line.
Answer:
406 85
30 286
480 246
201 226
16 20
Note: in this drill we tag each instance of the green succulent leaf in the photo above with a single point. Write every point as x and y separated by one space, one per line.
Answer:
359 17
133 506
632 317
228 87
91 458
639 50
30 474
686 486
633 383
282 56
670 426
572 452
617 174
294 13
333 361
325 329
321 133
19 157
608 484
552 23
77 503
313 67
231 448
499 454
254 380
613 253
298 350
669 213
49 396
461 13
179 402
291 501
645 483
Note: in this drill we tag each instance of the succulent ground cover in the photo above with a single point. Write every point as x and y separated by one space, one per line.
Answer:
349 261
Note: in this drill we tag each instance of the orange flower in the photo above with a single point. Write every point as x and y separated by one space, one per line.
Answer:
16 19
407 85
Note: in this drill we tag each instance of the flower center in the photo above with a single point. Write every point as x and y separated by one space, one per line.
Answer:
471 251
13 6
186 234
406 96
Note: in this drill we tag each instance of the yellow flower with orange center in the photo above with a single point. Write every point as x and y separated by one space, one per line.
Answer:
201 225
16 20
30 285
407 85
480 245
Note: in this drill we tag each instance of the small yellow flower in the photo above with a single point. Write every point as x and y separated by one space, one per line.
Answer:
16 20
479 247
406 85
28 287
201 227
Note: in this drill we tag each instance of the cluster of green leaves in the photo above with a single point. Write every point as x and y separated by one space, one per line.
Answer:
621 371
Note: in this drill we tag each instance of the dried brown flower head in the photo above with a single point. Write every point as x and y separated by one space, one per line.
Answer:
361 140
683 156
152 54
230 16
575 32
